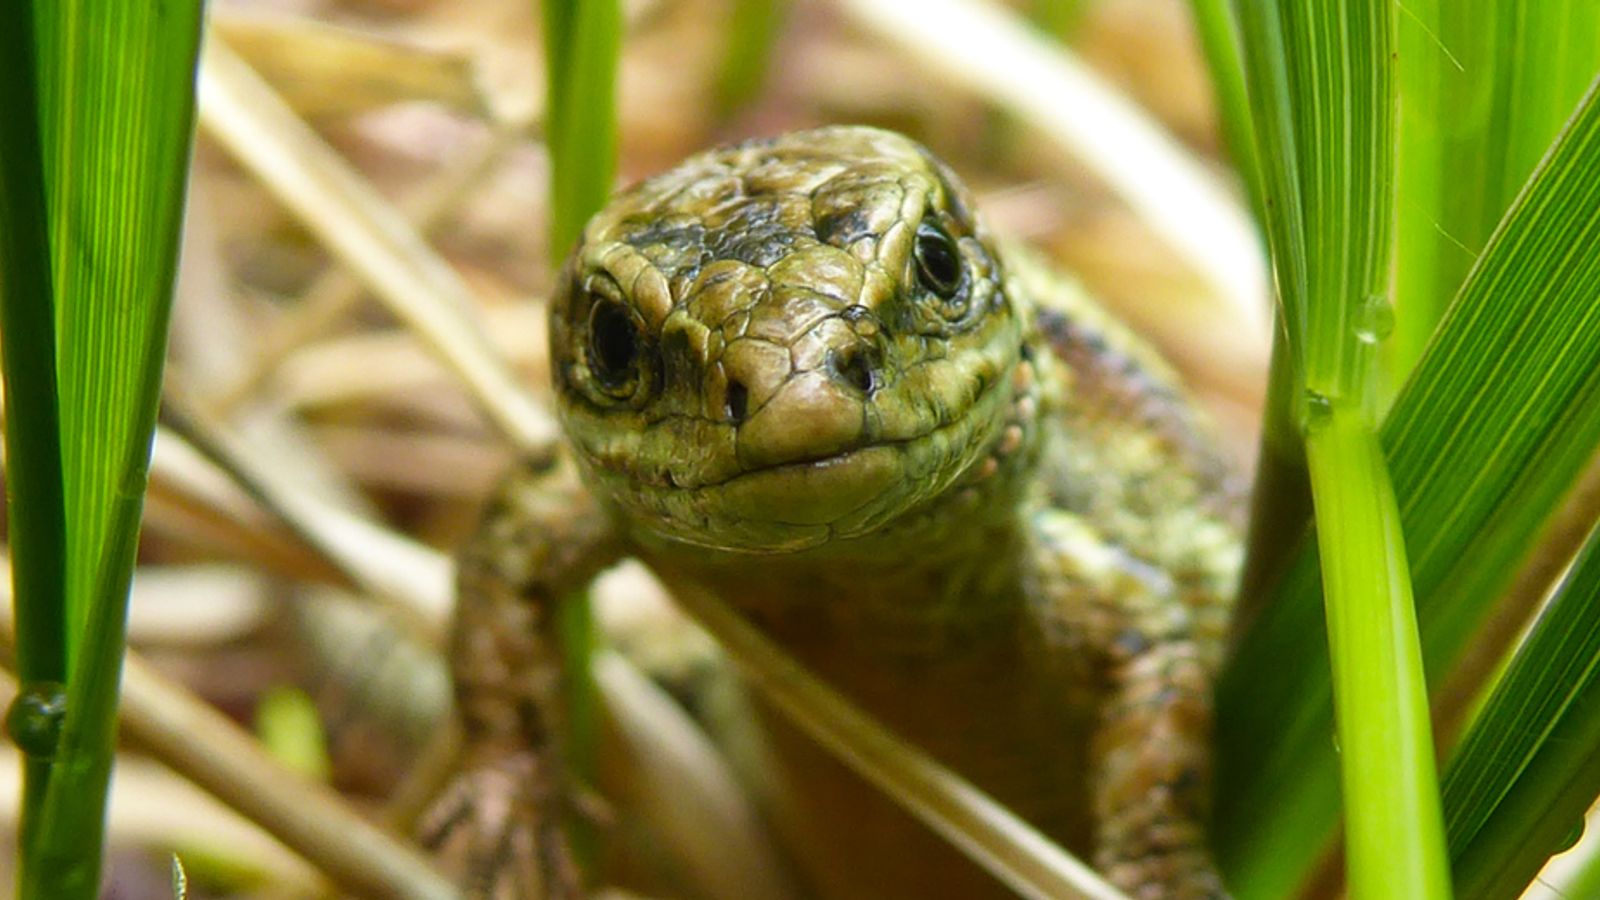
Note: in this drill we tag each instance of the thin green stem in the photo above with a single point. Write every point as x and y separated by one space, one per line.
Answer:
1280 504
1219 39
33 449
752 34
582 41
35 501
1394 830
71 834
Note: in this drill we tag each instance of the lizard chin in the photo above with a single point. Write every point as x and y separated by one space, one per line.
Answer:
823 505
817 492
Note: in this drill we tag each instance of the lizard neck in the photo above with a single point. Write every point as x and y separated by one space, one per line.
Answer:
914 596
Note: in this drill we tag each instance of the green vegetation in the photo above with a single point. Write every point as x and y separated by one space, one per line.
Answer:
96 135
581 43
753 30
1323 100
1489 433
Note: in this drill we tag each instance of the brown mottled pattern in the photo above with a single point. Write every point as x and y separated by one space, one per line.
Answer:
800 372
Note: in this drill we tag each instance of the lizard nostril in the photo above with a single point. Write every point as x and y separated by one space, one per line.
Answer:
736 401
853 367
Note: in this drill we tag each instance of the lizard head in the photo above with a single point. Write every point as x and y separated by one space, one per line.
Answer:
787 344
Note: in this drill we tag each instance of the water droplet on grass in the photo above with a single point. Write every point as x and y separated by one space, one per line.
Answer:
1315 411
34 720
1375 319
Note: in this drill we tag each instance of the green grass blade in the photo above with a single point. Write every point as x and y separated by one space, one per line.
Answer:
27 326
753 30
1281 502
1491 431
1342 113
116 83
71 820
582 39
1523 338
1219 39
1282 486
34 502
1487 85
1394 837
117 124
1322 83
1530 766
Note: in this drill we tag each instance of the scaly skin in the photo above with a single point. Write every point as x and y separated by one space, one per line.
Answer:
800 372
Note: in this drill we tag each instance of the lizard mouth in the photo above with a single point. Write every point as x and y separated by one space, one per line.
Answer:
781 508
801 505
812 492
811 502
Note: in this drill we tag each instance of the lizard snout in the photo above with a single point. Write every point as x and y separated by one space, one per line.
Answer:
810 405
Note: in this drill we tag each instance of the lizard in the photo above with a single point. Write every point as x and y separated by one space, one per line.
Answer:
801 372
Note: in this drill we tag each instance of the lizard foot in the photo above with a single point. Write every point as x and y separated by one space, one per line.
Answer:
495 830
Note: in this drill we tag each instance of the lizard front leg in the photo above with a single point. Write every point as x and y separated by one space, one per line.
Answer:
1151 758
1124 627
498 826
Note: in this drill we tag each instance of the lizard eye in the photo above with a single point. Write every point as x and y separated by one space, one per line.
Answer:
939 267
614 347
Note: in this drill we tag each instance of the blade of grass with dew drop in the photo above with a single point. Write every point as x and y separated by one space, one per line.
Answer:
116 117
1324 124
1495 425
1323 88
35 504
190 736
1487 85
1530 766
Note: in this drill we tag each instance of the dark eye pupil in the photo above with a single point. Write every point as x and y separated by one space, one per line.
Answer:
938 261
613 343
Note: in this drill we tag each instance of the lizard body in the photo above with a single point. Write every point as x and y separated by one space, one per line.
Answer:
800 372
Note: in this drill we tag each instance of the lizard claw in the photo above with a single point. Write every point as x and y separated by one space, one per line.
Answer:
497 833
